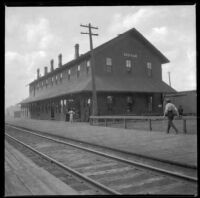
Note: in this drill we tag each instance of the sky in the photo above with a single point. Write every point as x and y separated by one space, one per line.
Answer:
35 35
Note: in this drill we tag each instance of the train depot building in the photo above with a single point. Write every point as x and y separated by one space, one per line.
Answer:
128 78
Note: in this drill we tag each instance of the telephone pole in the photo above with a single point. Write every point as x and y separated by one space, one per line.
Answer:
169 79
94 94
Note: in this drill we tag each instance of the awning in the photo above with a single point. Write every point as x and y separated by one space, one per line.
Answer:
104 84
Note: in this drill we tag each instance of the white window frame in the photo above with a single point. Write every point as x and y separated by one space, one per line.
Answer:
69 74
56 78
149 69
88 63
108 64
109 61
128 65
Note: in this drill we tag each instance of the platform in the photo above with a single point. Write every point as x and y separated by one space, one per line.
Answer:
175 148
23 177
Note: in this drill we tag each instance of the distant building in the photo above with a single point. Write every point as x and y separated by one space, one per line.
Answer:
17 114
187 99
128 77
10 111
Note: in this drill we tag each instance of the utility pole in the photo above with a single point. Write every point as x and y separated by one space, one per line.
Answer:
169 79
94 94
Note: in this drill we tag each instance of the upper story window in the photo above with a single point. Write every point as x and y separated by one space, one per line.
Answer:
34 90
149 69
56 78
46 82
88 65
108 64
61 76
69 74
128 65
78 70
52 80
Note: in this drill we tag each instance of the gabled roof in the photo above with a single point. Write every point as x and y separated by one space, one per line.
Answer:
106 84
131 32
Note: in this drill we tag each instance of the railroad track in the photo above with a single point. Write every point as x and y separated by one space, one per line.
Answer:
100 173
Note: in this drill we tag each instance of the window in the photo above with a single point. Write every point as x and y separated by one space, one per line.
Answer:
61 75
150 103
46 82
34 90
149 69
56 79
129 101
88 65
42 84
52 80
89 101
128 65
69 73
78 70
110 103
109 99
108 64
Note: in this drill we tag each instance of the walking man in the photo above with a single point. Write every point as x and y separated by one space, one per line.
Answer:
170 112
71 115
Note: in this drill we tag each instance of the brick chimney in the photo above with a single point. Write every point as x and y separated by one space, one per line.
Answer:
60 60
76 51
38 73
45 70
51 63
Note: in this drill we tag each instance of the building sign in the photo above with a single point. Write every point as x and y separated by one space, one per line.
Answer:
130 55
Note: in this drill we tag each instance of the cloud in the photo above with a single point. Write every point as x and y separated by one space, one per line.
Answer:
160 30
142 16
19 69
39 34
158 35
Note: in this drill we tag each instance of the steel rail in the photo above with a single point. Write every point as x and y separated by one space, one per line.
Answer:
174 174
87 179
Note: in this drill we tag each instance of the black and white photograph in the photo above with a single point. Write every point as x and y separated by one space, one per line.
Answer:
100 100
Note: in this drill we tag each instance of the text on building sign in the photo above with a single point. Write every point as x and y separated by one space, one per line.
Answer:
130 55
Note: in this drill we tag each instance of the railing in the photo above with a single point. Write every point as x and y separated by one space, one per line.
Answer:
148 121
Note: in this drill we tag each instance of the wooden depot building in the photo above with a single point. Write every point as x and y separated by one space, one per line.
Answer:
128 76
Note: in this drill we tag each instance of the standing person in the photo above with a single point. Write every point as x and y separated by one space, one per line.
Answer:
170 112
71 115
180 111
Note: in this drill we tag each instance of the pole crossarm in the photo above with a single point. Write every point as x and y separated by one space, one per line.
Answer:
90 26
84 33
89 33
